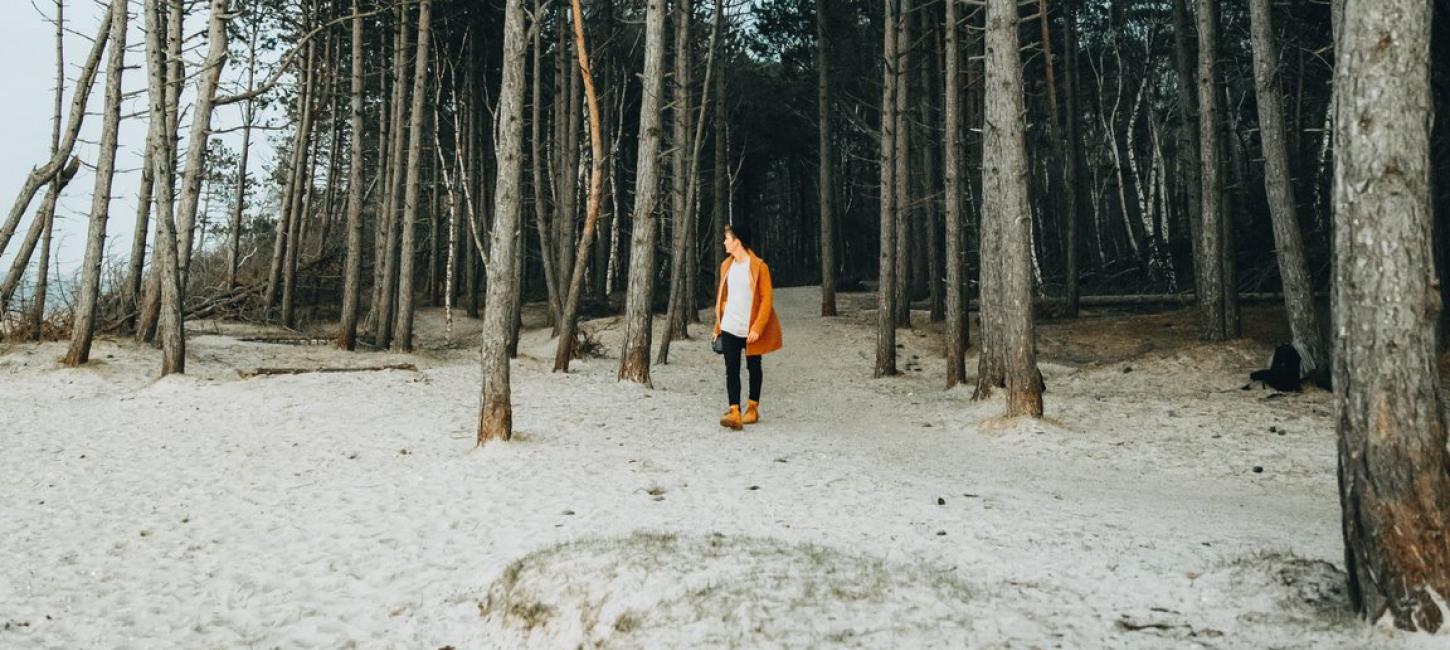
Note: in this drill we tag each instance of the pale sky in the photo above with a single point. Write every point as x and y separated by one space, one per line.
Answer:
27 46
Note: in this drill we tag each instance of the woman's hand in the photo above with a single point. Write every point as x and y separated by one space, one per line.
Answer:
752 337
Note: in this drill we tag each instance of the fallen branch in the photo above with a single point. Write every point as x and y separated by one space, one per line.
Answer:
265 372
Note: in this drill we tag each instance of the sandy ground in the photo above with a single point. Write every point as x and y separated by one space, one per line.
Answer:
1157 506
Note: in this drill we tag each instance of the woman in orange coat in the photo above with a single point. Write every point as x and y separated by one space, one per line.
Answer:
745 321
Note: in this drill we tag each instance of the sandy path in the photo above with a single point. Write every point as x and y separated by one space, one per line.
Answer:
348 510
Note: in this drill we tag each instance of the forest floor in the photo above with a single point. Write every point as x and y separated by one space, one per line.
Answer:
1158 505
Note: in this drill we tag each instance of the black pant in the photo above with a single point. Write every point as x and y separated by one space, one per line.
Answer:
735 345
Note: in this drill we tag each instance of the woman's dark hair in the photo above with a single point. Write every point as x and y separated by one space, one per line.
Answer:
742 233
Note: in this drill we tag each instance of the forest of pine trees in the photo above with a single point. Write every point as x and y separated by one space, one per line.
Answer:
1012 160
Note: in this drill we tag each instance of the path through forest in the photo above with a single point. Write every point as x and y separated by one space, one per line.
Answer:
334 509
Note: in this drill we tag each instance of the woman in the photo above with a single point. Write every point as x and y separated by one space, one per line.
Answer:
744 321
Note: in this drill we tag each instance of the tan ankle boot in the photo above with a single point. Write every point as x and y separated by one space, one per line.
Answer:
731 419
752 413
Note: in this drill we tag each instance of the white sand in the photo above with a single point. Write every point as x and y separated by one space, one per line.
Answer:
347 510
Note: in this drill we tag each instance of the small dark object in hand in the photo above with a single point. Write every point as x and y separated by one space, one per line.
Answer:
717 345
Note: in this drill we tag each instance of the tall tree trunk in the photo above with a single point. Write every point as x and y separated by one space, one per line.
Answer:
397 152
1288 241
902 165
565 350
537 179
83 328
931 216
721 174
1394 467
676 325
1190 176
495 416
206 89
352 267
302 182
681 301
37 308
823 153
249 112
174 68
956 340
135 264
1064 174
167 267
634 361
886 269
1004 196
1073 163
1213 295
403 333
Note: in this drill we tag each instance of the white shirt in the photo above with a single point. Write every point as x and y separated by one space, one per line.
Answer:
738 299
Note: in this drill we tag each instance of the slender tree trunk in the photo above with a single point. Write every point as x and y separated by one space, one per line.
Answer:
902 165
536 180
37 311
823 120
634 361
681 300
676 325
303 180
1072 164
397 150
234 232
83 328
495 416
1288 241
1004 192
403 333
1394 467
352 267
721 174
886 269
1190 177
1065 171
565 350
167 266
956 340
135 266
1213 295
206 89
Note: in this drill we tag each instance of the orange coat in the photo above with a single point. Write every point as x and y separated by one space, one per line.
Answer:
762 307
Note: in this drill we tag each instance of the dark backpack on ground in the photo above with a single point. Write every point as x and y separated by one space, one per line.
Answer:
1284 372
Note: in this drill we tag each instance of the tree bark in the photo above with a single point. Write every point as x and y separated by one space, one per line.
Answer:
206 88
83 327
902 165
495 417
167 268
1288 240
352 267
1190 176
537 179
565 350
676 325
403 332
824 192
886 269
249 112
1004 199
1213 294
634 361
1394 467
956 341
